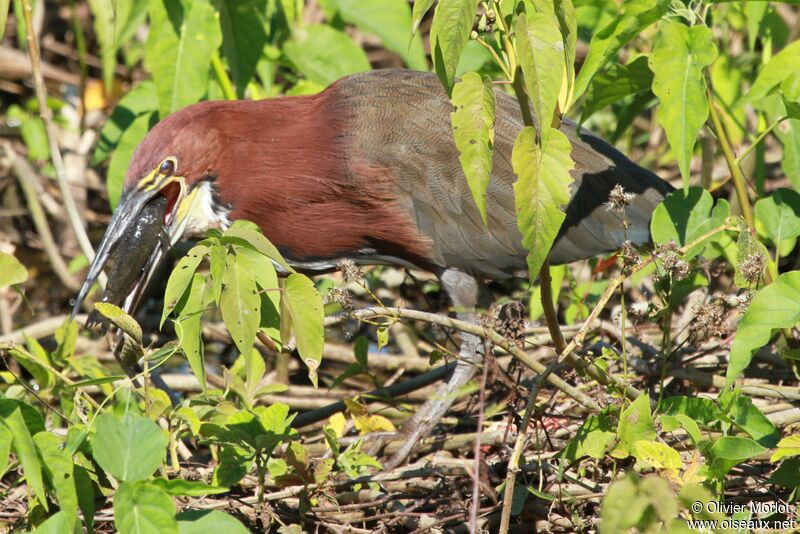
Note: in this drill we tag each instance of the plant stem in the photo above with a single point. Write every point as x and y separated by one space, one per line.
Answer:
739 181
46 114
27 179
758 139
497 59
222 77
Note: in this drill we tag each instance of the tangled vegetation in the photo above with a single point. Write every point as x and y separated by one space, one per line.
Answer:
645 390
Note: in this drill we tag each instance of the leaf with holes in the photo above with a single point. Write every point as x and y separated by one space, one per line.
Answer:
240 304
306 309
473 131
181 278
188 327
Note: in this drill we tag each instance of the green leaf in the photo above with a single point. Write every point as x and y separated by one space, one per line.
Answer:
182 39
383 337
240 304
563 12
189 488
420 8
58 466
180 279
324 54
263 272
657 455
778 218
591 439
218 258
781 66
746 415
729 451
111 17
636 15
130 448
616 83
60 523
306 309
540 52
205 521
389 20
452 24
140 100
787 474
11 416
249 233
701 410
685 216
541 189
636 503
143 508
243 24
189 328
85 488
774 307
4 8
790 93
35 362
635 424
748 248
122 320
123 154
754 12
678 60
473 131
12 272
787 447
6 438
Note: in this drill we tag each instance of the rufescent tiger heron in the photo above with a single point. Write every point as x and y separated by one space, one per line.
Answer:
368 170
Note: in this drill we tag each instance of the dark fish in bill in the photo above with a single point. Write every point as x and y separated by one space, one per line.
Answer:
132 258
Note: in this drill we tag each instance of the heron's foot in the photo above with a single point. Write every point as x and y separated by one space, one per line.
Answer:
429 415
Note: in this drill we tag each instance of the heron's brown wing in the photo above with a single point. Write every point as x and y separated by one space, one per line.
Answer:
424 170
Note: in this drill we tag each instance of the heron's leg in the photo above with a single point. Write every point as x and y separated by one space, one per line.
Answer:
465 293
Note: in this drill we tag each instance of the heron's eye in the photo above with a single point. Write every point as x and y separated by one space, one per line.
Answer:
167 168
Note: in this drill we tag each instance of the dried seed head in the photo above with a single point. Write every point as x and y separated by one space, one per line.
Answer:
630 258
752 267
341 296
350 271
509 322
709 320
618 199
672 262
